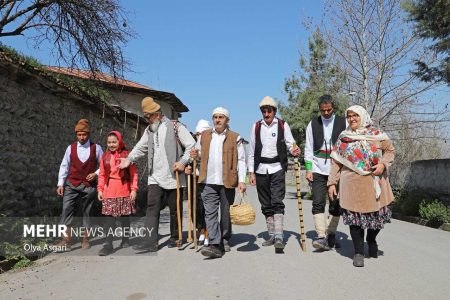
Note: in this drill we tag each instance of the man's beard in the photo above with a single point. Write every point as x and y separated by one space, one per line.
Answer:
154 126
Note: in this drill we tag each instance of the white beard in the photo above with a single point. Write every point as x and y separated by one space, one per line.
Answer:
154 126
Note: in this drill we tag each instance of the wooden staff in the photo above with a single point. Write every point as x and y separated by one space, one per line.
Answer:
180 237
299 201
195 202
189 239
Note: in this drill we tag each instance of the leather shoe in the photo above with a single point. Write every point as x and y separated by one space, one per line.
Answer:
279 245
212 251
358 260
269 242
146 247
172 243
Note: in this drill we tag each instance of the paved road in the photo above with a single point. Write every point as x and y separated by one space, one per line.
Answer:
415 265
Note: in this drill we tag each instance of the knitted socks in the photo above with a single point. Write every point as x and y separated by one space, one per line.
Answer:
278 225
321 225
270 225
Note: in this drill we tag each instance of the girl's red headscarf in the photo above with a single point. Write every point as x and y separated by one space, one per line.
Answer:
119 137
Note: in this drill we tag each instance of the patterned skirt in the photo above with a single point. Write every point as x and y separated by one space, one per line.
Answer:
117 207
372 220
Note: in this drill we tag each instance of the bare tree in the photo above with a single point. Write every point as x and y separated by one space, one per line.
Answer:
86 34
377 48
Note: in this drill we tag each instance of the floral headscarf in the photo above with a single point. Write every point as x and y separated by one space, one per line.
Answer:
356 149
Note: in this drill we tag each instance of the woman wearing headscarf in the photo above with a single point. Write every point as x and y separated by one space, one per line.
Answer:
361 157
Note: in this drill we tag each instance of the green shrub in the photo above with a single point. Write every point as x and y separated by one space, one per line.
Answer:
22 263
434 211
406 203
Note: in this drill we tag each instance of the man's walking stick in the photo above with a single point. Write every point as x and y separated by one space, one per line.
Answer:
194 171
189 239
299 201
180 237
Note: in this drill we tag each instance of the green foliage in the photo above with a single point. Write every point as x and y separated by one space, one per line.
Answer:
23 263
432 21
16 55
88 87
434 211
318 76
406 204
10 230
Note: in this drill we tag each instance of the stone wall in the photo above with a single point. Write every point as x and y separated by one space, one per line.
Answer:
425 179
37 118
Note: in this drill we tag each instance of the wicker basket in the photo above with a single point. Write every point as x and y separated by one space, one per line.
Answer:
242 213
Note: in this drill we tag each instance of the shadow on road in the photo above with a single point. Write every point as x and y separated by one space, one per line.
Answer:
287 236
244 238
346 245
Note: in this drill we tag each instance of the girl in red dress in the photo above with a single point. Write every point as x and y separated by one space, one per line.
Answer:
117 190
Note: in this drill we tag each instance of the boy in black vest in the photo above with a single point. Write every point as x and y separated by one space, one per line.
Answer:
321 134
270 139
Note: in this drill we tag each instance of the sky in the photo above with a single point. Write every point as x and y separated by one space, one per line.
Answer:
212 53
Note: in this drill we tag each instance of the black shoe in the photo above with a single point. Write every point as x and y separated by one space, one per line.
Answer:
146 247
125 243
358 260
172 243
278 244
212 251
373 250
269 242
106 250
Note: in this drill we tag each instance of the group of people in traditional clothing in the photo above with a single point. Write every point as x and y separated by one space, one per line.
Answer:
346 160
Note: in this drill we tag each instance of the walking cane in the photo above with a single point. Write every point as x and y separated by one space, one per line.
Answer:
189 239
194 167
179 242
299 200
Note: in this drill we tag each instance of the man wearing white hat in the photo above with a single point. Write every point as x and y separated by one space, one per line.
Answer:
222 169
162 142
270 139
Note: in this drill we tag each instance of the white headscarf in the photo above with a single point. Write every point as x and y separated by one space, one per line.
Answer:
366 121
361 133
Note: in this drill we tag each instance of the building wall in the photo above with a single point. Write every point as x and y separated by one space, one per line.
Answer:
426 178
37 119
